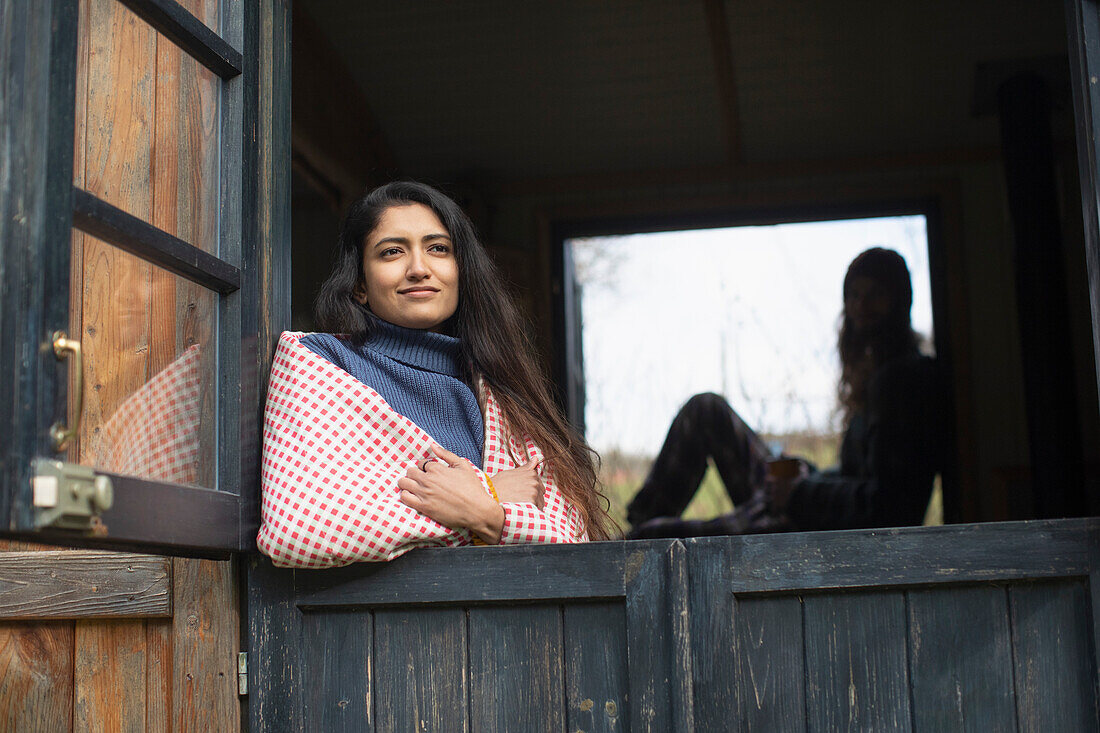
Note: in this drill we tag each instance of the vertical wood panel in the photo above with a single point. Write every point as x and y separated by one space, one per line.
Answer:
714 651
110 676
206 639
1053 656
769 663
421 670
596 683
961 660
159 675
856 667
36 676
516 669
338 664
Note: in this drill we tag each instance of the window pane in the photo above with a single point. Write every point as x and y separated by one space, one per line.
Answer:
149 367
147 123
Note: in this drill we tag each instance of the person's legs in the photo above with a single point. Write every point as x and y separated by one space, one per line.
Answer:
705 426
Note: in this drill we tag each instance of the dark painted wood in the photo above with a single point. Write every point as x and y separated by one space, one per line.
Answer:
516 674
856 663
474 575
906 556
769 664
37 115
658 637
1055 662
960 651
713 651
274 645
1083 25
127 232
421 659
596 688
190 34
78 584
337 662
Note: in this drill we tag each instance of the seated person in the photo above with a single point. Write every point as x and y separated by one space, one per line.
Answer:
892 403
421 418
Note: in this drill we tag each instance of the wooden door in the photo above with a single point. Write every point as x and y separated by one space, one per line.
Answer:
136 221
537 638
965 628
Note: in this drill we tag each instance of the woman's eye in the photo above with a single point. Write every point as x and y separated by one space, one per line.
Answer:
444 248
389 252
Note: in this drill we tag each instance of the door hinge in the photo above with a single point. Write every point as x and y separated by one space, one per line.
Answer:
69 496
242 673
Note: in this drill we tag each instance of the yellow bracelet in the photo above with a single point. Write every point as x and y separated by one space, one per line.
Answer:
492 489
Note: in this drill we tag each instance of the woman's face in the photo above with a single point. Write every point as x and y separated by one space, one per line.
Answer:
868 303
410 275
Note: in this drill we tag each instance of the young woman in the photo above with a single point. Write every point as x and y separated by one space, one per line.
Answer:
419 417
892 402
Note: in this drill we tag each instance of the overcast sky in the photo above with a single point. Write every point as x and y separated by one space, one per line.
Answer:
748 312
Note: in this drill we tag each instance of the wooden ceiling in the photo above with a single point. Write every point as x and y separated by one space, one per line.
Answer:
505 91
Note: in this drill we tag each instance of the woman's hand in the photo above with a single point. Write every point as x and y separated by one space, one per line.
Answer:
450 492
521 484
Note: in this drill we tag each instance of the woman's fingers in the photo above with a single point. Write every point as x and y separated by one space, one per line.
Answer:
452 460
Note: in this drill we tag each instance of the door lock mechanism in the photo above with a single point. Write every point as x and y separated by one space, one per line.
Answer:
70 496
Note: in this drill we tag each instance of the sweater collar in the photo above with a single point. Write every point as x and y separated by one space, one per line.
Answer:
434 352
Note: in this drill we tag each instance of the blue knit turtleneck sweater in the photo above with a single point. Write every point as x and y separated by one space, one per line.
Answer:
418 374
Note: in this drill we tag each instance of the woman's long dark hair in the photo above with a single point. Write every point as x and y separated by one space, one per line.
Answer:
494 338
862 353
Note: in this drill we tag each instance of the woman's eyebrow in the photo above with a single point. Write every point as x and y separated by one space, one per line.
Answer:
434 236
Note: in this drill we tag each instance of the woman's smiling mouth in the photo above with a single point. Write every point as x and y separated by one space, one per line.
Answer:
419 292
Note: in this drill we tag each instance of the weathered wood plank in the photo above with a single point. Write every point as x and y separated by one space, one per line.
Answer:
474 575
658 636
421 670
337 662
84 584
961 660
596 682
1055 662
110 674
516 669
274 649
856 668
770 675
158 675
36 676
713 642
906 556
206 633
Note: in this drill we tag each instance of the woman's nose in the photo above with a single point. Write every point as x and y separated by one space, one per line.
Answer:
418 267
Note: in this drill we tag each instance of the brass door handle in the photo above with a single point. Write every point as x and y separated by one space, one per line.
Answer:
62 346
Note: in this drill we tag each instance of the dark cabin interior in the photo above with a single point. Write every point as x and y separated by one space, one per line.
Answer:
587 118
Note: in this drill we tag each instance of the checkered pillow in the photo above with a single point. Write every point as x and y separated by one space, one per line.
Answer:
333 453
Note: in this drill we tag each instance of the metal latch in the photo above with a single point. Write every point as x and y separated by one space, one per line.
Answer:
69 496
242 673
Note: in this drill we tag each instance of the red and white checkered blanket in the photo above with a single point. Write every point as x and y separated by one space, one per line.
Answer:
332 455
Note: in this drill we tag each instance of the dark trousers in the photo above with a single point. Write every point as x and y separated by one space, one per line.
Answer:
706 427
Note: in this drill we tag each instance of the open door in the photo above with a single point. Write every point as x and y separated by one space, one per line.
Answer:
129 253
141 156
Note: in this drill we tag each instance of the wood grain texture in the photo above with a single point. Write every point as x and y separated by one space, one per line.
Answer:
770 675
658 637
907 556
856 668
158 675
421 670
713 642
1055 662
475 574
36 676
337 660
961 659
206 634
274 649
110 676
83 584
596 682
516 669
